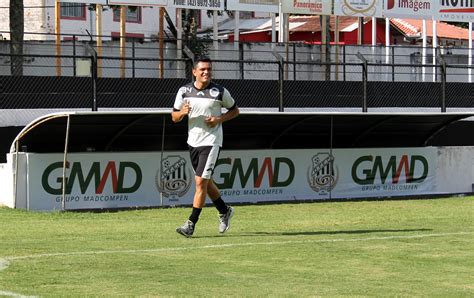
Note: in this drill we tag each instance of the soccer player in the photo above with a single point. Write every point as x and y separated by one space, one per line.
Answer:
202 102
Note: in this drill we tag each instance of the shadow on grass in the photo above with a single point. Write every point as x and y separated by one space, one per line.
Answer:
315 233
333 232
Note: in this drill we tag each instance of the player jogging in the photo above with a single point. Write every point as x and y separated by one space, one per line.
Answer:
202 101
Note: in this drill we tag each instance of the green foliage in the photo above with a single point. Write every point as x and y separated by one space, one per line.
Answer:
376 248
196 44
457 24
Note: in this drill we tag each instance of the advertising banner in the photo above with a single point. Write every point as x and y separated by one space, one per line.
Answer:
253 5
197 4
93 181
322 7
358 8
102 2
137 2
118 180
412 9
318 175
455 10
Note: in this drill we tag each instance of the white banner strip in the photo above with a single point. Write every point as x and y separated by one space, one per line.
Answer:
270 6
361 8
322 7
197 4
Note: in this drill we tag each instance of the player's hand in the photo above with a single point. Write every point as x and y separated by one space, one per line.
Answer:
212 121
186 108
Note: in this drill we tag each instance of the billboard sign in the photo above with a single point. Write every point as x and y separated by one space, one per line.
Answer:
101 2
138 2
455 10
197 4
118 180
253 5
413 9
322 7
358 8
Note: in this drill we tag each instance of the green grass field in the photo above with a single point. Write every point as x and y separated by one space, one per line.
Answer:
372 248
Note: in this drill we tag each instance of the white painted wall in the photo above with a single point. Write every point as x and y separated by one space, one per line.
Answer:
42 20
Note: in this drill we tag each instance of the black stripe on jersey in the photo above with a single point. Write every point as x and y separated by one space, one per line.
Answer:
232 107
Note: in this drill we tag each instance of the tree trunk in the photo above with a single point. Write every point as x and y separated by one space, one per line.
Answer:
16 36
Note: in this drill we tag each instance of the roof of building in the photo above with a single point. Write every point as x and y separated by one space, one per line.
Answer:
414 28
408 27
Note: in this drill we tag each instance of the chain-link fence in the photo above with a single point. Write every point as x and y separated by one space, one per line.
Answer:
296 75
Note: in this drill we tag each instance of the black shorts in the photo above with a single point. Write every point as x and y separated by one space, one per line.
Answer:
204 160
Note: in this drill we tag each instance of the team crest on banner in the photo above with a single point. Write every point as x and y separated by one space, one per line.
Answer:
322 176
174 178
358 8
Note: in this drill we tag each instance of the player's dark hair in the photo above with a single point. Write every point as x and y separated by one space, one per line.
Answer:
201 59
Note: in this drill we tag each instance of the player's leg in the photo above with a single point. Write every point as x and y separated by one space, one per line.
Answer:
203 160
225 212
187 229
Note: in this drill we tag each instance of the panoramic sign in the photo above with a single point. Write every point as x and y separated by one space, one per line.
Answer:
455 10
197 4
416 9
253 5
322 7
358 8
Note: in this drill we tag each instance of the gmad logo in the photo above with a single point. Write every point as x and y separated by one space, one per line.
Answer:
255 172
322 176
366 168
95 176
174 178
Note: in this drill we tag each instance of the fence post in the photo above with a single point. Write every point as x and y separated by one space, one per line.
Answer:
344 62
133 60
241 58
393 64
281 71
281 78
94 82
294 62
364 80
74 55
443 85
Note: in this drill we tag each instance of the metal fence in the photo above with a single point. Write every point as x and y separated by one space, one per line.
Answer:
153 58
260 75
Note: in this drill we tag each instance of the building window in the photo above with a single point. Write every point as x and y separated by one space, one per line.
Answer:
134 14
73 11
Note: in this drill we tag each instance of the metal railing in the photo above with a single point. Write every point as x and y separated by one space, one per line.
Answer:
448 83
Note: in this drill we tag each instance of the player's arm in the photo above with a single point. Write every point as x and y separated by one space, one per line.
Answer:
213 121
178 115
232 111
230 114
232 108
181 107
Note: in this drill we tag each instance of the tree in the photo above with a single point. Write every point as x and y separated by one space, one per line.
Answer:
16 35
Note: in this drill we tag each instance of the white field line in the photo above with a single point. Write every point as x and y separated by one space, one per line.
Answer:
6 260
4 263
11 294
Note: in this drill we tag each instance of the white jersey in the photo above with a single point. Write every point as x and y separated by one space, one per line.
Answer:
204 103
